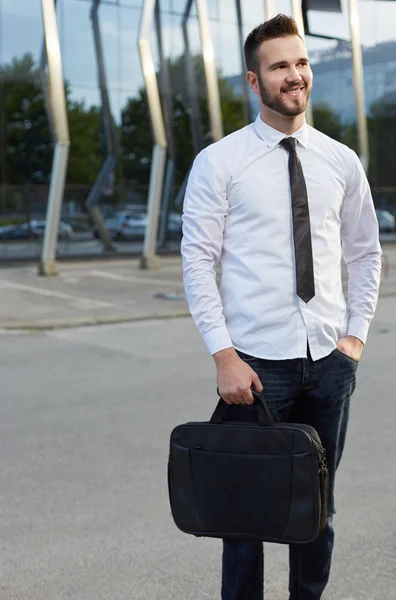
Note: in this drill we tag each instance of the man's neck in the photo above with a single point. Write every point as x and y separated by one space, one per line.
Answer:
287 125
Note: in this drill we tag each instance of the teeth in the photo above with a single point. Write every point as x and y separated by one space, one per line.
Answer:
294 92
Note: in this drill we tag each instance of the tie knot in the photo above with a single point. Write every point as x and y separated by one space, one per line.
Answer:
289 143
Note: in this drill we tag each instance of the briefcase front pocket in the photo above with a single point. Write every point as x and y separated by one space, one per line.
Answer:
241 490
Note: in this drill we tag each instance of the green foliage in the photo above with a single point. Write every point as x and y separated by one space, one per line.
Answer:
382 132
26 146
85 150
136 136
326 121
26 149
136 139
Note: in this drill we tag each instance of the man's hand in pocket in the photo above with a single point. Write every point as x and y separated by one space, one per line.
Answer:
351 346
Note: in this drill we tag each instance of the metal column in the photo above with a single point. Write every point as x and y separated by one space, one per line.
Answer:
107 170
45 86
212 82
166 93
269 9
196 129
358 83
298 16
247 112
57 103
149 259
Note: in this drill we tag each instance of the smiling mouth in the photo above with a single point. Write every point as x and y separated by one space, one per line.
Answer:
294 92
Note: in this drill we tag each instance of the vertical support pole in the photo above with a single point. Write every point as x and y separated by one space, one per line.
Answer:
212 82
358 83
166 93
57 102
298 16
269 9
149 258
107 169
191 87
247 113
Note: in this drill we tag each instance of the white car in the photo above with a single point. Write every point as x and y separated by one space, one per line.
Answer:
125 225
133 227
37 228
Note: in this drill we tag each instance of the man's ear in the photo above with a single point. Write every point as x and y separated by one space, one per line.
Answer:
253 81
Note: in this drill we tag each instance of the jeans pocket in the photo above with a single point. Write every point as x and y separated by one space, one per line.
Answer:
246 357
353 361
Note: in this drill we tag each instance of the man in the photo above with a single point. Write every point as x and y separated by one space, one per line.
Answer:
280 204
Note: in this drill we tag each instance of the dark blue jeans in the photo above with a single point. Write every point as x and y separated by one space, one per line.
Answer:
299 391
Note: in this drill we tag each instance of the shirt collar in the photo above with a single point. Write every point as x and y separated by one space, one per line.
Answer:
272 136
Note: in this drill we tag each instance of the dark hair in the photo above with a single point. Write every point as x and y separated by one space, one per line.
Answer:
279 26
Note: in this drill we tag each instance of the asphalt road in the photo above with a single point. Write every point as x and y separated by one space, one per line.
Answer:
85 419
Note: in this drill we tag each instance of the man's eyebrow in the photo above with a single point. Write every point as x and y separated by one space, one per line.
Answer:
284 63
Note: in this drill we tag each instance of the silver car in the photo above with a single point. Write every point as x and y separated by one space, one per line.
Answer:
125 225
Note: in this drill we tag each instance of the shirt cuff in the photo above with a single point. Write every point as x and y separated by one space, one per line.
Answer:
217 339
358 327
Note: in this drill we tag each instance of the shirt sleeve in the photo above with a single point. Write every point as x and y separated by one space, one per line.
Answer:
361 250
204 214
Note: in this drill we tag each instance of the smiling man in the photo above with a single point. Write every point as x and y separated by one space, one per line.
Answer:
280 204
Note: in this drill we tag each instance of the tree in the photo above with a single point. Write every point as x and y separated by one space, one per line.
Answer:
328 122
26 152
136 136
85 156
26 149
136 139
382 131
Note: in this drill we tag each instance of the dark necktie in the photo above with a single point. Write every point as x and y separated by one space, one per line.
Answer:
301 224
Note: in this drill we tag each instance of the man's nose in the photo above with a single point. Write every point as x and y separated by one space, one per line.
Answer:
293 75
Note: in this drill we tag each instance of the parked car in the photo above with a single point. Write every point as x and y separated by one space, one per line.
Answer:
14 232
34 230
125 226
37 228
386 221
133 227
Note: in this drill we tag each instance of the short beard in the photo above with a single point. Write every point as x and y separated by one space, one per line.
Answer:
276 102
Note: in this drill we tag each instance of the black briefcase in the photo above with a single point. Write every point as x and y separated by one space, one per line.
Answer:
260 481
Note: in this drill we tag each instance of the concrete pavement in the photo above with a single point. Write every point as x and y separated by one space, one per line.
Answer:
85 420
88 293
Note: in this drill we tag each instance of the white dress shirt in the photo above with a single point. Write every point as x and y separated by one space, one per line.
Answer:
237 210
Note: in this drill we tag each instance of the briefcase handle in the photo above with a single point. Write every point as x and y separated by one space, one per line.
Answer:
265 417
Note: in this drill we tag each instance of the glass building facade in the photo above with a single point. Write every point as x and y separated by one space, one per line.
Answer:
108 112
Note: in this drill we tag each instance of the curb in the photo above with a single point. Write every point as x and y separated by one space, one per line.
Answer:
89 322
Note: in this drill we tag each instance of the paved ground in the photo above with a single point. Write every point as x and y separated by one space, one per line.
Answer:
85 419
108 291
89 293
